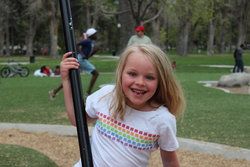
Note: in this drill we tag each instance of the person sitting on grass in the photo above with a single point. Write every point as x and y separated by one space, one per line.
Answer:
44 71
57 71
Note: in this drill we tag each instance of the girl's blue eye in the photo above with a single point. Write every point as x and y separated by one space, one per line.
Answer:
132 74
150 78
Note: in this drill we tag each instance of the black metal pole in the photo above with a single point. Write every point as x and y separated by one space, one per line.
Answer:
79 107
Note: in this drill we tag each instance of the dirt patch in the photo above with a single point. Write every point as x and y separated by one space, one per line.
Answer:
64 151
236 90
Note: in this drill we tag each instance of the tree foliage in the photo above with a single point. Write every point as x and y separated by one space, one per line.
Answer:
28 27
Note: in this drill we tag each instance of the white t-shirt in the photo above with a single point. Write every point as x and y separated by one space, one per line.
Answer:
128 143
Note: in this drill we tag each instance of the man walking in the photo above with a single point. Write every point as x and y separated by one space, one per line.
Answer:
140 37
239 65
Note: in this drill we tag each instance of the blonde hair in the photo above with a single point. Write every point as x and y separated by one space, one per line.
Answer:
169 92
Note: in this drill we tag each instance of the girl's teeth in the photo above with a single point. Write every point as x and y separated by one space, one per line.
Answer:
138 92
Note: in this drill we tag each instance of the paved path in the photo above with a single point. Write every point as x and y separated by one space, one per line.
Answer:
227 152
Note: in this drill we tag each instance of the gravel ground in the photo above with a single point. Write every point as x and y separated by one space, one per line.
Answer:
64 151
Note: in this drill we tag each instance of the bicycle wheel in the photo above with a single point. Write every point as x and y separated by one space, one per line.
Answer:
25 71
5 72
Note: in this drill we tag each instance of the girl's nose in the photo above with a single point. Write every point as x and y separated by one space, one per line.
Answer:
140 81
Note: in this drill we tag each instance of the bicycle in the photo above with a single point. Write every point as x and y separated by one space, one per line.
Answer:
12 69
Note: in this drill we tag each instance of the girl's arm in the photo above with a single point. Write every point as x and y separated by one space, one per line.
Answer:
67 64
169 159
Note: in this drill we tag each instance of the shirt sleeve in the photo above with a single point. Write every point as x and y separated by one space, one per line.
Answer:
93 100
167 130
89 107
149 40
130 42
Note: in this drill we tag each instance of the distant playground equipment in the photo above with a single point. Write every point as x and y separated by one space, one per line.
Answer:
12 69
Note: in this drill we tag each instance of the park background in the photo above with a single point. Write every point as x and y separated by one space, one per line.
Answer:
32 27
193 33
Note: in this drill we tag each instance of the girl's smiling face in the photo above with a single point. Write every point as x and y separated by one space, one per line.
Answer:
139 81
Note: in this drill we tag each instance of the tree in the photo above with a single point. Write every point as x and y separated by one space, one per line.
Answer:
144 11
215 8
213 25
211 30
53 14
4 12
242 11
34 16
9 16
193 14
85 13
183 8
157 21
137 12
224 31
126 23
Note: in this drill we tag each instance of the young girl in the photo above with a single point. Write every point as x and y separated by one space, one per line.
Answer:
136 115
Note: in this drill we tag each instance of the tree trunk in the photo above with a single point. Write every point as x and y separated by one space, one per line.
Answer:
1 42
127 25
243 20
2 33
29 44
7 39
182 43
4 28
222 33
241 33
156 39
30 36
88 17
54 26
210 42
221 44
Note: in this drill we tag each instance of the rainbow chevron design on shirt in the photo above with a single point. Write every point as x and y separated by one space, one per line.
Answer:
125 134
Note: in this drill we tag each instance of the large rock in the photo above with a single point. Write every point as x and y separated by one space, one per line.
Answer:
235 80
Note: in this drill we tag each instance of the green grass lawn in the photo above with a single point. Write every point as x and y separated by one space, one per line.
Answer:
18 156
211 115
